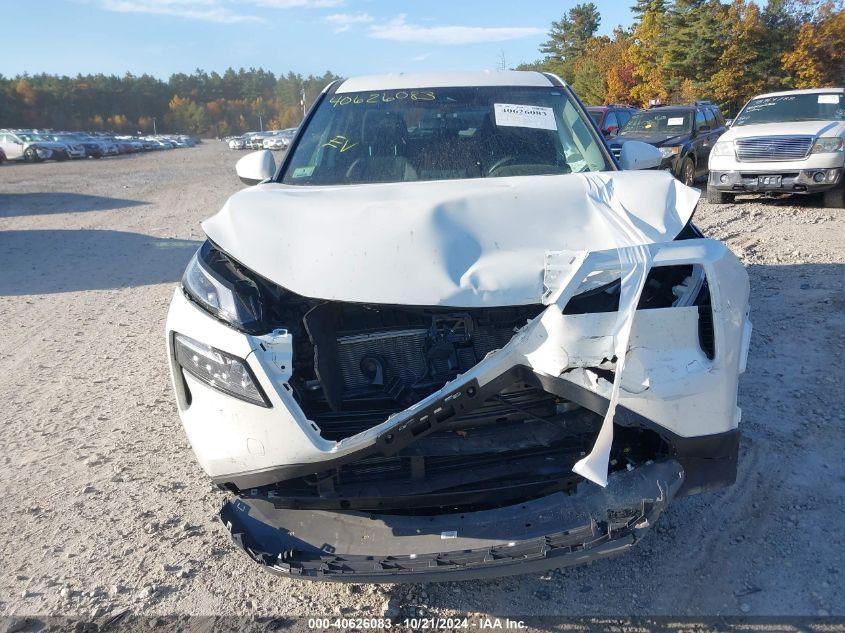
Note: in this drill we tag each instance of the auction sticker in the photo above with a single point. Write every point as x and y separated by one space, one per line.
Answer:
832 99
513 115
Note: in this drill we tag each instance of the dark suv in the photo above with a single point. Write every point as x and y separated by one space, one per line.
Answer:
610 118
684 134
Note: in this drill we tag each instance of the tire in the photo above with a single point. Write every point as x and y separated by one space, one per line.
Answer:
835 198
714 196
31 155
687 172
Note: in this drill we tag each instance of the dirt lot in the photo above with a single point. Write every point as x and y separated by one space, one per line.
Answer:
106 509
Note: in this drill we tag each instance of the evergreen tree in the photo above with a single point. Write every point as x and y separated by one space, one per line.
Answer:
568 39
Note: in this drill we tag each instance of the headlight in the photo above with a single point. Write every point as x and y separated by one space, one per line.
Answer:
723 148
213 281
217 369
668 152
827 145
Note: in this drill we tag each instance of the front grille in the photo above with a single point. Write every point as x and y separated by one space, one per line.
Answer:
769 148
410 357
396 354
506 407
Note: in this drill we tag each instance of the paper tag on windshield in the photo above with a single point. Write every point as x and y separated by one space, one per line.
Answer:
512 115
675 121
834 99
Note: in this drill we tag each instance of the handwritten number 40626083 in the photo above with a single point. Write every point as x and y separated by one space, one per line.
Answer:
383 97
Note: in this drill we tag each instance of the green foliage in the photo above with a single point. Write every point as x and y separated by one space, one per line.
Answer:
198 103
682 50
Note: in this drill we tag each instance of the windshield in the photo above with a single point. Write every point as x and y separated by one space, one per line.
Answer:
443 133
795 107
671 123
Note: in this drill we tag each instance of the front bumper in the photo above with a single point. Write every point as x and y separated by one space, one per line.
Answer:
791 180
559 530
671 388
669 381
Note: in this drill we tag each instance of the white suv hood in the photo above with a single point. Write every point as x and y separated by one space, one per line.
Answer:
797 128
468 243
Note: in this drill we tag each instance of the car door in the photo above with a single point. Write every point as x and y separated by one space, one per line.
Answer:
701 142
623 117
12 146
610 124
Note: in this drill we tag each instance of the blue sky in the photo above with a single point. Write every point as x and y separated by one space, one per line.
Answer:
349 37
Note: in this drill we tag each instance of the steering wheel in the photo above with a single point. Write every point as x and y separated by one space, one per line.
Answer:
502 162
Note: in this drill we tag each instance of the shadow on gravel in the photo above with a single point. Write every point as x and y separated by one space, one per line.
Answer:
43 203
49 261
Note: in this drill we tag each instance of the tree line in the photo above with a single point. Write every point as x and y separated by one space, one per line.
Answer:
199 103
675 51
686 50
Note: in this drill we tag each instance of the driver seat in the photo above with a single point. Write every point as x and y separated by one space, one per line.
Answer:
384 138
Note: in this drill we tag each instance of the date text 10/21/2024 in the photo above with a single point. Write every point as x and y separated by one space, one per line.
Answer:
416 623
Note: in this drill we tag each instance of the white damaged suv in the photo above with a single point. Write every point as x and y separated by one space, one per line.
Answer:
449 338
783 142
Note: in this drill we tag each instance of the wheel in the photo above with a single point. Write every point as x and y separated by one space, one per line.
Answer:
687 174
715 196
31 155
835 198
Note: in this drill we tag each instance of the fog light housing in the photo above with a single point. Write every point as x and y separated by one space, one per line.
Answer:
818 176
219 370
723 178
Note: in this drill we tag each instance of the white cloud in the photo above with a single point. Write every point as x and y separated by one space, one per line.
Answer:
343 21
399 30
420 58
224 11
297 4
206 10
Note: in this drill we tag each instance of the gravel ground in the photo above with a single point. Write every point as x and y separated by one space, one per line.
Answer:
107 510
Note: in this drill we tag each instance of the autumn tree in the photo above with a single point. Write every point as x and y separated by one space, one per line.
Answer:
647 52
186 116
740 73
818 58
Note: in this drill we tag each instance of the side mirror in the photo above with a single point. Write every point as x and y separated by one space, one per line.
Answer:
256 166
639 155
729 122
703 128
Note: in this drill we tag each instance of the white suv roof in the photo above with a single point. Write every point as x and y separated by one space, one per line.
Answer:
807 91
402 81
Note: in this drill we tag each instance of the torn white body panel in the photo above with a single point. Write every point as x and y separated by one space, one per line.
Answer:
682 391
464 243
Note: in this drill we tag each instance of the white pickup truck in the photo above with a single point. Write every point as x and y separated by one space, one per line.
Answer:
783 142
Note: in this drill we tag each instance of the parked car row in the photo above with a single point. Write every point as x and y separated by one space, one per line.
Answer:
40 145
783 142
271 139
